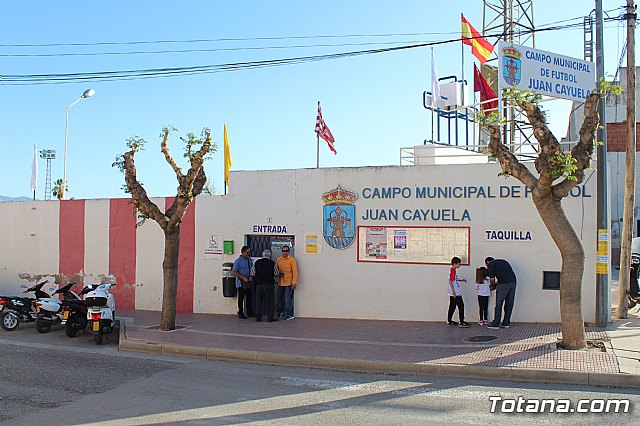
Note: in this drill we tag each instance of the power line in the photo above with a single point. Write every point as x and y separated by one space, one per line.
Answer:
221 49
228 39
127 43
29 79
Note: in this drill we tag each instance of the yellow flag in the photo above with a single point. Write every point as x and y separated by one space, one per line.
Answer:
227 157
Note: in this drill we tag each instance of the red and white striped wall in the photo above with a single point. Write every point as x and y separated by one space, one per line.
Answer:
99 237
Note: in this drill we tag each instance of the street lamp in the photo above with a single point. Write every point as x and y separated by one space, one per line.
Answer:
87 94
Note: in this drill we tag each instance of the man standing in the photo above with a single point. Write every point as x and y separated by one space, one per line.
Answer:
501 270
242 271
288 282
264 274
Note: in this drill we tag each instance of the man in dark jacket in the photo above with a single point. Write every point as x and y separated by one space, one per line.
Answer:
501 270
264 273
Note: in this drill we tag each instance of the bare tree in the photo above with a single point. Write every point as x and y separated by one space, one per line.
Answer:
567 168
190 185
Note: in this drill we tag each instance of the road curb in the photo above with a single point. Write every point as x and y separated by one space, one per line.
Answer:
513 374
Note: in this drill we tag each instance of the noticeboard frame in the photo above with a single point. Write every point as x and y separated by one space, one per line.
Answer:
384 261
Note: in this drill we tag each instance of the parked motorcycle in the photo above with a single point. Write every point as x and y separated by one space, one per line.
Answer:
16 310
634 288
50 309
74 314
102 310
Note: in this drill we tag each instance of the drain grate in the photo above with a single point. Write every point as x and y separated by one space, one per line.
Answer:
481 339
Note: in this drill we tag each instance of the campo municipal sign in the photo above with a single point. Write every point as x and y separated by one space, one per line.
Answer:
545 73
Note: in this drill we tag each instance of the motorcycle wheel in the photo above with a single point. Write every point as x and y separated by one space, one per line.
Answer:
98 336
43 326
8 322
71 328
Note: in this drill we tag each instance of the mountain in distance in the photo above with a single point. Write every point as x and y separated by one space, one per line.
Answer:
5 198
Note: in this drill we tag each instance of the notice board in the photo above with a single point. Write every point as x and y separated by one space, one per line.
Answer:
413 244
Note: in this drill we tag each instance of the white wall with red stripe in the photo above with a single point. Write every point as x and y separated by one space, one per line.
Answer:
81 240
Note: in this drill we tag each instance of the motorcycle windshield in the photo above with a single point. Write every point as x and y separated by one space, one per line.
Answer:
635 245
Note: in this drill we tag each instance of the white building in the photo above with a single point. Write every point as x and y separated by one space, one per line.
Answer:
405 223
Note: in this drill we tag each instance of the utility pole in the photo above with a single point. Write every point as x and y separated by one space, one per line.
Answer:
603 293
630 176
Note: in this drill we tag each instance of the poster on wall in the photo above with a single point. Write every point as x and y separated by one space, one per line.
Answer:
376 242
312 244
214 245
399 239
413 244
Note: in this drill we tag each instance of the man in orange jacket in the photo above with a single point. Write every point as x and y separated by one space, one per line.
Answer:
288 282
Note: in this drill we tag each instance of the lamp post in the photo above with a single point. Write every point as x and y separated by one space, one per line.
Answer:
87 94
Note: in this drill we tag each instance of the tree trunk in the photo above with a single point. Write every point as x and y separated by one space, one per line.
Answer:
170 275
560 229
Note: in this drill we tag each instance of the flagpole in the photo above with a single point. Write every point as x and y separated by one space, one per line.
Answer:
432 95
317 151
462 55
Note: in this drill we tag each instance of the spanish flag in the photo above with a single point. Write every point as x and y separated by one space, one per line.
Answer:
227 157
480 47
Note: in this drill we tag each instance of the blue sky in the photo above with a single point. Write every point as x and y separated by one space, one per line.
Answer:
371 103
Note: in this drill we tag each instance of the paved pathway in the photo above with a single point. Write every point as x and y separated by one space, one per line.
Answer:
524 352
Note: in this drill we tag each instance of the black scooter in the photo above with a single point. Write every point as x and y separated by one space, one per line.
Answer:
74 313
16 310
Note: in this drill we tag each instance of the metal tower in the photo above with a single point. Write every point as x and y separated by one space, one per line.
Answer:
513 19
508 20
48 154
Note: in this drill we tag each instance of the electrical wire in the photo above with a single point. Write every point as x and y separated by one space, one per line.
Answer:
28 79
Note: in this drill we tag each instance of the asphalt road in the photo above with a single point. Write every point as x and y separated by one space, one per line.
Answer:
51 379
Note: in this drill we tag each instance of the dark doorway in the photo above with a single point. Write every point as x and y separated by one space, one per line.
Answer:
257 244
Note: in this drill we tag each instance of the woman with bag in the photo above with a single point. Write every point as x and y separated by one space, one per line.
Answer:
242 271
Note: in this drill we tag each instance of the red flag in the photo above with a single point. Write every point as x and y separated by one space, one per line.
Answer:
323 131
486 92
480 47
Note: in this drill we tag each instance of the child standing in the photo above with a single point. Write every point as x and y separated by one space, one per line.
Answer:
455 296
484 291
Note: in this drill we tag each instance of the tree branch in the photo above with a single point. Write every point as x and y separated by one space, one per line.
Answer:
167 155
139 194
549 146
583 151
199 183
509 163
190 185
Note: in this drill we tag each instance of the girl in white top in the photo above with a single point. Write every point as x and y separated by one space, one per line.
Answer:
484 291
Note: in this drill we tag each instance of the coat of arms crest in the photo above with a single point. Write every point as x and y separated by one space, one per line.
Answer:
511 65
339 216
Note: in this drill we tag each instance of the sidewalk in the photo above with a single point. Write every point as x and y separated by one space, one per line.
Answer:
525 352
624 334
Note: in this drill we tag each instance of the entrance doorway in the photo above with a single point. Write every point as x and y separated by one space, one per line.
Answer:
257 244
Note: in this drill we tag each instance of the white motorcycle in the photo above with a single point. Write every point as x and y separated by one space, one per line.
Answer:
101 311
49 309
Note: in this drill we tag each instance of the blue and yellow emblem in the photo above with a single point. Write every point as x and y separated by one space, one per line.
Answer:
511 65
339 217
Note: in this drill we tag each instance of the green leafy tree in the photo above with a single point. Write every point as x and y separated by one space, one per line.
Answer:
190 185
57 189
558 171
